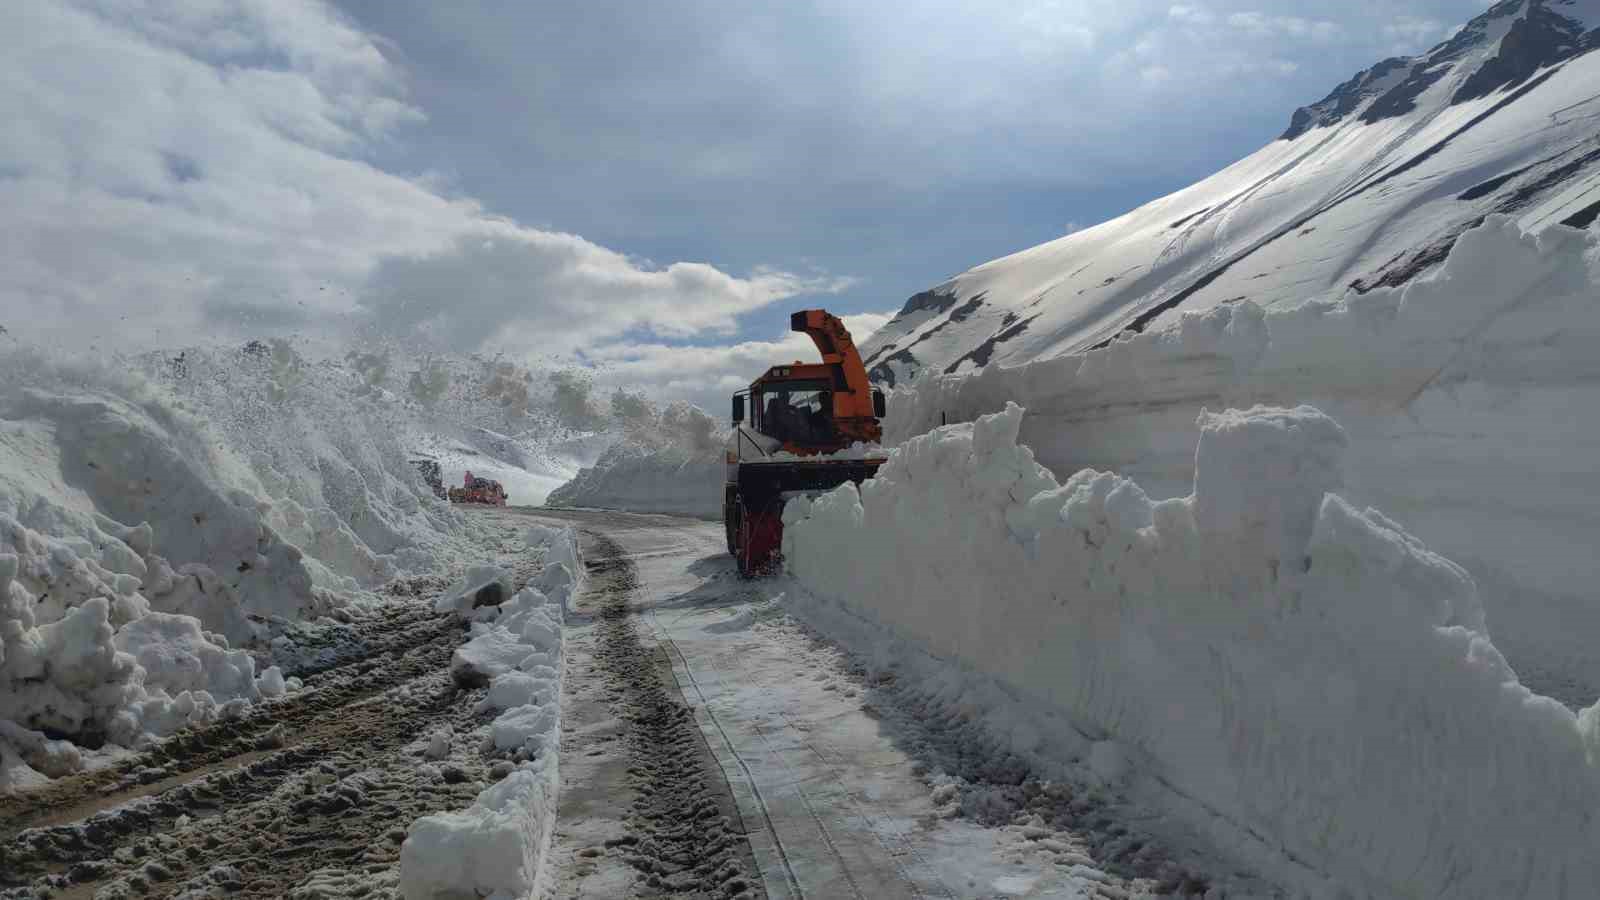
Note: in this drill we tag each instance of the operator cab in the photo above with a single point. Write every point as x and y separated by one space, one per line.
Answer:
792 410
812 408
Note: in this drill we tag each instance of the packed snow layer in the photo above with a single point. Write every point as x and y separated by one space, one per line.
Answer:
498 847
154 527
671 479
1285 663
1467 397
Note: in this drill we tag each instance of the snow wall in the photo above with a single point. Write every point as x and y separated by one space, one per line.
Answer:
1275 660
675 480
499 846
1468 397
150 528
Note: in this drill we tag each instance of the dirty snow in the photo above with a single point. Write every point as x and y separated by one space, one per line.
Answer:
499 845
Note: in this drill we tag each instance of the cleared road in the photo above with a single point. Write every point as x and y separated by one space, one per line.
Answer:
827 801
712 747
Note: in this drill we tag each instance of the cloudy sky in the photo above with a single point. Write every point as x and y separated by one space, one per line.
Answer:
607 180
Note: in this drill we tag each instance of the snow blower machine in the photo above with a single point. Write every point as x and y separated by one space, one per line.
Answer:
801 417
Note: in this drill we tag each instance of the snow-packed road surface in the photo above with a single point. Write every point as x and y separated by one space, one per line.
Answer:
823 782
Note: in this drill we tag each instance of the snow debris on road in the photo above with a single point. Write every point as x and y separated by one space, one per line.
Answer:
1267 658
499 846
487 585
1465 396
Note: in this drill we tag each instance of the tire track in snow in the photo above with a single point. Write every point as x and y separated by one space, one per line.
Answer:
684 835
307 796
789 877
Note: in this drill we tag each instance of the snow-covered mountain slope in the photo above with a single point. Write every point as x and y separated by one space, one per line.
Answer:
1370 186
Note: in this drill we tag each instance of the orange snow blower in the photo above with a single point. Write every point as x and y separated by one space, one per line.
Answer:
799 416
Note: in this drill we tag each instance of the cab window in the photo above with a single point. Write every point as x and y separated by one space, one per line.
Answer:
797 416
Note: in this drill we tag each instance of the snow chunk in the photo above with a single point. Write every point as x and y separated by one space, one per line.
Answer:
177 656
496 847
48 757
486 585
65 677
439 743
272 683
528 728
527 635
514 689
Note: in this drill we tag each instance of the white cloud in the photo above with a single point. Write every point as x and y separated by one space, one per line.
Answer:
171 171
1264 25
1410 35
1191 14
708 376
177 169
1244 58
862 325
557 293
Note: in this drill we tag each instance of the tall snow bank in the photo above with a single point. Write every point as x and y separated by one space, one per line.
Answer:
1297 666
152 526
671 480
666 460
324 446
499 846
1466 395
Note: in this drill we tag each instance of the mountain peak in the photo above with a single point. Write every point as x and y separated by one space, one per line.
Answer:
1501 48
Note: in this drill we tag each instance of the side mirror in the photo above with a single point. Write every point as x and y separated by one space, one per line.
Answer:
738 408
879 407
